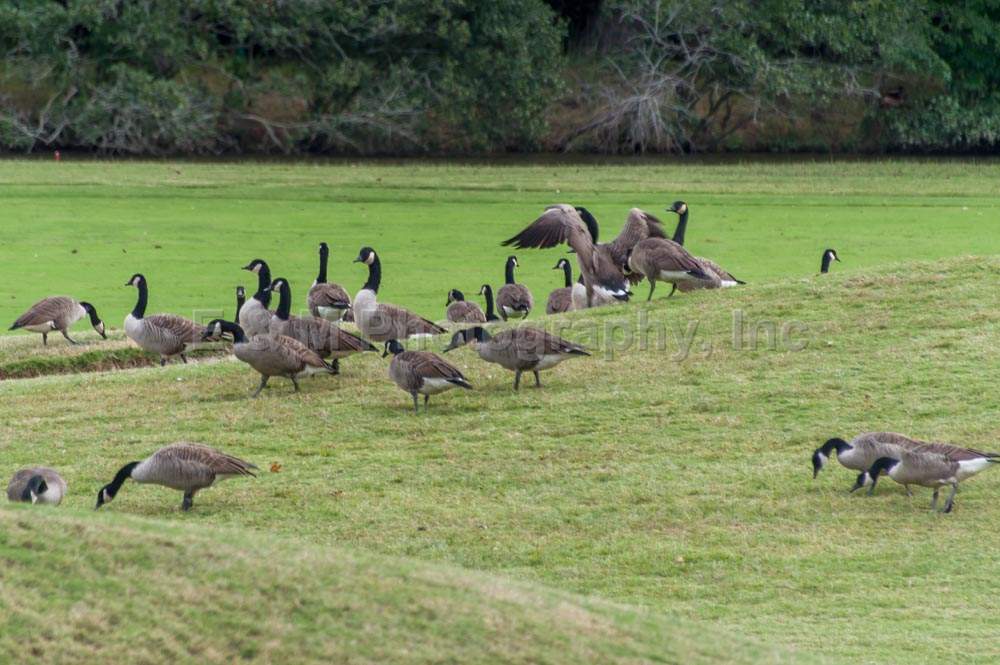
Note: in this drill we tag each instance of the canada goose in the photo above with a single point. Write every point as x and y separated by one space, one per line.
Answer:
241 297
319 335
718 277
327 300
928 469
270 355
255 318
37 485
187 467
422 372
864 449
518 349
461 310
379 321
828 255
600 265
561 300
486 291
58 313
166 335
514 300
662 260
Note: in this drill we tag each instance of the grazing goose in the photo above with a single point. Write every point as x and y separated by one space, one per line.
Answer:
718 277
166 335
602 275
518 349
186 467
255 318
37 485
321 336
379 321
864 449
514 300
461 310
422 372
487 293
327 300
662 260
561 300
58 313
926 468
241 297
270 355
828 255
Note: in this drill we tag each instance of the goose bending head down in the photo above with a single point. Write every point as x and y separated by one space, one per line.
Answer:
58 313
39 484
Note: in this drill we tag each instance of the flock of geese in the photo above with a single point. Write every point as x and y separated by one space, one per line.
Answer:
274 342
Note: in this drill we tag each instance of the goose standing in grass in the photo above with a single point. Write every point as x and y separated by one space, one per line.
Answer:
241 298
662 260
487 293
422 372
379 321
327 300
518 349
718 277
270 355
864 449
186 467
926 468
514 300
58 313
321 336
255 317
37 485
461 310
166 335
561 299
828 256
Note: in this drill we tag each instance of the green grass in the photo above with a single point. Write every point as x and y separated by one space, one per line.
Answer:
680 487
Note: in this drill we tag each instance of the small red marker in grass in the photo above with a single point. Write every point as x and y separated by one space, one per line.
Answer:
58 156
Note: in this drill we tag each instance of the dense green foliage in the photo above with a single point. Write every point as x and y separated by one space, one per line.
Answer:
460 76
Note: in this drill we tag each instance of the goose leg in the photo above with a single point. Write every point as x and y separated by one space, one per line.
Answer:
295 382
652 285
934 498
416 403
163 361
336 365
517 379
68 338
184 358
538 380
909 492
426 399
950 503
673 287
188 500
45 339
263 382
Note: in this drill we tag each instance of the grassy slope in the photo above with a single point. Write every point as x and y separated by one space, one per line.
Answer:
680 486
141 591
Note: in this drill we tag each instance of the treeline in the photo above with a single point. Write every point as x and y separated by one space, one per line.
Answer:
479 76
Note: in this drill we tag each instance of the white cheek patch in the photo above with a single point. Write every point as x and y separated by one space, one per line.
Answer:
371 259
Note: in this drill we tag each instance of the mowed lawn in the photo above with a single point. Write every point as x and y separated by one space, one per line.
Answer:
668 482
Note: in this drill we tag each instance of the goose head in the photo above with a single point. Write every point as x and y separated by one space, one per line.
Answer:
366 256
256 266
95 320
136 280
678 207
467 336
561 264
455 296
34 489
213 331
324 249
394 347
881 465
241 293
512 261
831 255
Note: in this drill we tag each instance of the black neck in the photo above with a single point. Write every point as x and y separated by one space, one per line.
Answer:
94 320
825 265
239 305
235 330
839 445
374 275
568 272
682 224
123 474
323 256
263 294
140 305
488 295
509 272
284 302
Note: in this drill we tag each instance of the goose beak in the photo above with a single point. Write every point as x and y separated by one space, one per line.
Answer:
358 260
246 267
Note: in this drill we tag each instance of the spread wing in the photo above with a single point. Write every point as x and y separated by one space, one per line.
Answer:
638 226
558 224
